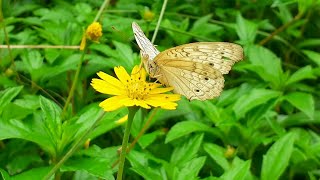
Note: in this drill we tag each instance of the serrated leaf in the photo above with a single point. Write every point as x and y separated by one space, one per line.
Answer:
35 173
217 154
253 99
303 101
191 169
187 150
303 73
4 174
186 127
246 30
313 56
240 170
7 95
277 158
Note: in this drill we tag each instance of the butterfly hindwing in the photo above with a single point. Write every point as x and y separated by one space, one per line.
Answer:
191 79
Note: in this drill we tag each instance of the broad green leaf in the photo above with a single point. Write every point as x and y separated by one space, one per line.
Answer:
35 173
246 30
253 99
51 115
96 166
217 154
303 101
149 138
144 167
191 169
186 127
125 54
300 119
303 73
277 158
313 56
7 95
266 64
239 170
188 150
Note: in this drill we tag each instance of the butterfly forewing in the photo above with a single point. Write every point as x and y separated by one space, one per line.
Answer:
146 47
220 55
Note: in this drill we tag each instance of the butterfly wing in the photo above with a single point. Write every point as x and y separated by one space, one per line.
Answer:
192 79
219 55
147 48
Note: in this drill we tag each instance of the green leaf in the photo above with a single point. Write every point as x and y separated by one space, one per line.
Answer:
217 154
187 150
313 56
7 95
239 170
149 138
303 73
303 101
266 64
277 158
51 115
191 169
96 166
4 174
146 168
186 127
246 30
253 99
35 173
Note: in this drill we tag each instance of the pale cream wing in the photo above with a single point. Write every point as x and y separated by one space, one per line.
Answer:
191 79
219 55
146 47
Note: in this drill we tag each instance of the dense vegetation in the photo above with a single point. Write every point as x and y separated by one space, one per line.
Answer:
265 125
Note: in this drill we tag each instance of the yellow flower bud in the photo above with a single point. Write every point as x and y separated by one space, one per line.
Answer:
230 152
148 15
94 31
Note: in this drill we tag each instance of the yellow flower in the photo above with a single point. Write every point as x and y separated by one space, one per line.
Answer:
93 32
132 90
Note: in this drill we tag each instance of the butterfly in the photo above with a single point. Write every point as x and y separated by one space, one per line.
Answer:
194 70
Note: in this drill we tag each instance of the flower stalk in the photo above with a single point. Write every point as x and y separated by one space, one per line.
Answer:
132 112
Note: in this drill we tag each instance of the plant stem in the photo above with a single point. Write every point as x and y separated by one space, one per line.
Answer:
102 7
164 5
74 147
74 83
132 112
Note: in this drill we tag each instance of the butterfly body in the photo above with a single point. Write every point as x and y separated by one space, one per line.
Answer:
195 70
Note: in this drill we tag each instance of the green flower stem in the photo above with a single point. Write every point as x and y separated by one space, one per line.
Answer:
132 112
74 83
76 145
164 5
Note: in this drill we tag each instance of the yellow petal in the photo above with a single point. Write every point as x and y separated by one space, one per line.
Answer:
161 90
83 42
112 80
142 104
106 88
122 74
112 103
138 73
122 120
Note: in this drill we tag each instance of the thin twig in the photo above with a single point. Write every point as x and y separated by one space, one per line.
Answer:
102 7
280 29
164 5
39 47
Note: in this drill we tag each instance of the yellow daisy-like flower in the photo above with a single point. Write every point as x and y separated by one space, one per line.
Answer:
93 32
132 90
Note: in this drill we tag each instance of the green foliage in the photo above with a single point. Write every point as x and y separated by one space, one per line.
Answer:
265 124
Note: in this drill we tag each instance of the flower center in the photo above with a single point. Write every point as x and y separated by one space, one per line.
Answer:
138 89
